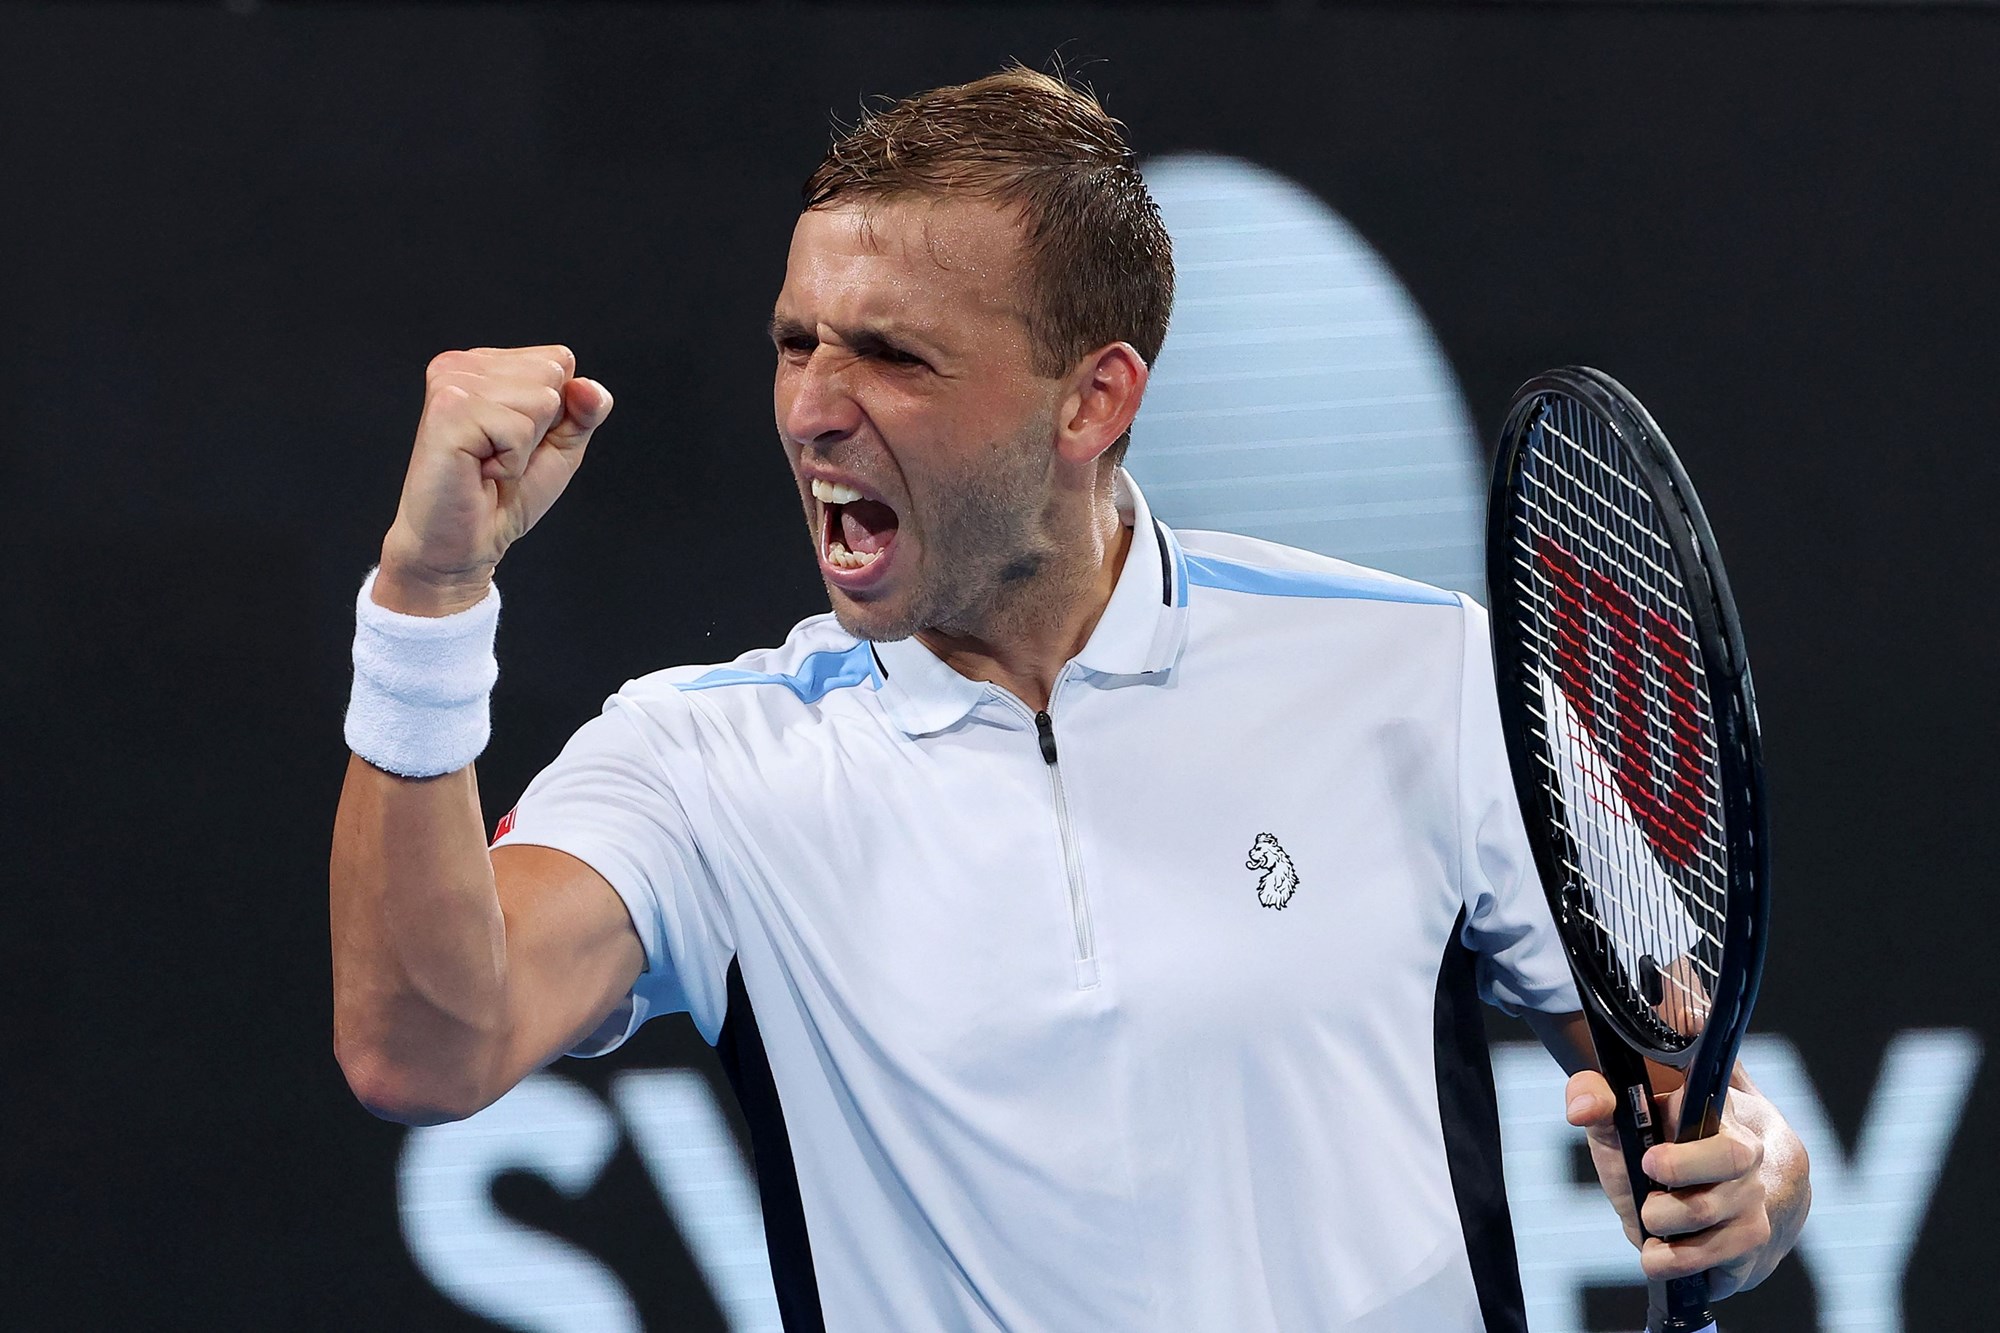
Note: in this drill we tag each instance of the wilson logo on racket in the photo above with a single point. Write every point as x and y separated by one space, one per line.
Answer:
1630 674
1280 879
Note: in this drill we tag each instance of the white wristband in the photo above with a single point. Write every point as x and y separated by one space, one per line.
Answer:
421 686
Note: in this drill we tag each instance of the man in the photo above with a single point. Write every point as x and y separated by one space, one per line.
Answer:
1089 915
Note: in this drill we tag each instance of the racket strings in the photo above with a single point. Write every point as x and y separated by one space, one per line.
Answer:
1692 840
1601 791
1621 699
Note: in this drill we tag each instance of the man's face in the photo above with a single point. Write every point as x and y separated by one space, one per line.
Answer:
908 405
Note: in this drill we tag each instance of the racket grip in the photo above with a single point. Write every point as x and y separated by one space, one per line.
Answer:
1679 1305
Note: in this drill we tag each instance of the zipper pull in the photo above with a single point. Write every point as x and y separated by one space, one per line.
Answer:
1045 731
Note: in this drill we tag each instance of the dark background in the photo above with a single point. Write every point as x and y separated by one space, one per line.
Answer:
233 238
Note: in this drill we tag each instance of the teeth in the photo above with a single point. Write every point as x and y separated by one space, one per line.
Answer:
834 493
840 557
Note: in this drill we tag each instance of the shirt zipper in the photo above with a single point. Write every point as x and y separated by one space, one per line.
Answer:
1079 901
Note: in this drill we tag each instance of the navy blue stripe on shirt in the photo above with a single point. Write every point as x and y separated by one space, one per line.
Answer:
1470 1114
740 1048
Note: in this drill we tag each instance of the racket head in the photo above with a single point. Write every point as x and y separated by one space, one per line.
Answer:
1631 725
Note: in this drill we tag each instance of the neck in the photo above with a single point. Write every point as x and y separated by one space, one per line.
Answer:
1046 621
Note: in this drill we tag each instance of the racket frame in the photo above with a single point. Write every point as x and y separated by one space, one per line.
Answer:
1622 1047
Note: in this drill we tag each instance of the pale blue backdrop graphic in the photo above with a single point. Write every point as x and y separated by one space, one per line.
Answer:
1301 396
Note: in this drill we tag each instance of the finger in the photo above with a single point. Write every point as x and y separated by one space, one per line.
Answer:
1660 1259
532 398
586 404
500 437
1608 1159
1729 1155
559 360
552 365
1587 1100
1685 1212
1722 1250
551 466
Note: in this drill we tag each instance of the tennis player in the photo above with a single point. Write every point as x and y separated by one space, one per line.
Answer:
1092 917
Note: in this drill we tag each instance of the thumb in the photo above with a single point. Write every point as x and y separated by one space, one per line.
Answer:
1587 1100
586 404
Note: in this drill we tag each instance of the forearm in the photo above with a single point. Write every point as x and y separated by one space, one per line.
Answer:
419 945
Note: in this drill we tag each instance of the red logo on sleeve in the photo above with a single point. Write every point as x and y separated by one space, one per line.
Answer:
506 824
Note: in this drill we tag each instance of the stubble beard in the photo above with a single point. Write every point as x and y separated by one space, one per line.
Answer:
986 564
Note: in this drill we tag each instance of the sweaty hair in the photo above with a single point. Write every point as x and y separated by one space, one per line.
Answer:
1098 262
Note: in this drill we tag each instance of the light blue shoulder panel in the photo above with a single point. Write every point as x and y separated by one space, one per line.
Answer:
818 675
1210 571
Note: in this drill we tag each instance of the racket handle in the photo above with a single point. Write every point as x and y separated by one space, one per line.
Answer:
1679 1305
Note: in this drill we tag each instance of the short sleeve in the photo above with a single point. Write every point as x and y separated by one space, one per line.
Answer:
1521 964
623 797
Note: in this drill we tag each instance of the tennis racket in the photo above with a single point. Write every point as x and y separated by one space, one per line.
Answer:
1632 733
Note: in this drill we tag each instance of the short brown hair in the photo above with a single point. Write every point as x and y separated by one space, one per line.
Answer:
1099 262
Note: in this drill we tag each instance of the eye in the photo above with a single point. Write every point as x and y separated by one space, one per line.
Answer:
896 356
797 344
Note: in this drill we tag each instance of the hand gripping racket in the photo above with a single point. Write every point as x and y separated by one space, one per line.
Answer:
1632 733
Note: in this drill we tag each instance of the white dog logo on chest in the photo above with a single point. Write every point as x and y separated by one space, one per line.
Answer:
1280 879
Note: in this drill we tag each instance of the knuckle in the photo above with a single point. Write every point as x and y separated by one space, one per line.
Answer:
445 398
445 363
1757 1229
550 400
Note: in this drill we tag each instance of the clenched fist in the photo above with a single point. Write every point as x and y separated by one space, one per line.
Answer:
503 431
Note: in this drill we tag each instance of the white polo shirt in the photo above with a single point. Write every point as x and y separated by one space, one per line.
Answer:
1156 1013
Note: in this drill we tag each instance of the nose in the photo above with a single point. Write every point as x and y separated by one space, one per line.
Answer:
815 406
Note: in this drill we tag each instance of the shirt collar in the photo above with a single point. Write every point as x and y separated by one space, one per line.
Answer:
1139 636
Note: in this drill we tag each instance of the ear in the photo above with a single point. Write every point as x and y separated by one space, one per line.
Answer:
1105 389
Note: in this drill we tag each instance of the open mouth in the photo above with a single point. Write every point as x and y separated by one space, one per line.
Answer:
855 530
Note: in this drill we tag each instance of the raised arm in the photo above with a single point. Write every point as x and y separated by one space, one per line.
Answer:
457 971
